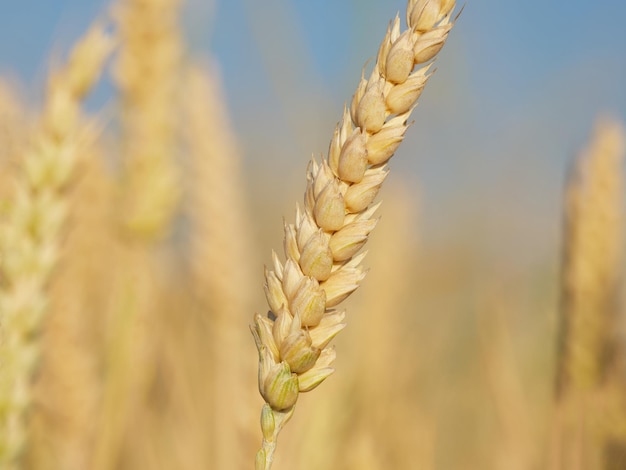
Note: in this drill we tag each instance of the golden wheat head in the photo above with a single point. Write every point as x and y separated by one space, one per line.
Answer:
323 263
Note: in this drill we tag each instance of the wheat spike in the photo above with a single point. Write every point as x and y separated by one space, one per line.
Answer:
68 385
593 250
146 73
322 265
31 234
592 261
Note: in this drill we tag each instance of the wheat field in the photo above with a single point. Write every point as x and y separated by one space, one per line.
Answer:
196 275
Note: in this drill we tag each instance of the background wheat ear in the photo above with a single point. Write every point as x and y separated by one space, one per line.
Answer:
323 263
593 252
69 381
150 45
147 72
32 231
592 271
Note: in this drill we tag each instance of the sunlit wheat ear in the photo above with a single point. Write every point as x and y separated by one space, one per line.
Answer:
322 247
147 75
31 233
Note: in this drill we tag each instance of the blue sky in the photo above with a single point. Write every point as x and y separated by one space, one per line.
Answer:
518 87
513 48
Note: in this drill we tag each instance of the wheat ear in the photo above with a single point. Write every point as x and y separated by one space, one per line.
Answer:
31 233
592 259
146 73
322 246
69 381
593 250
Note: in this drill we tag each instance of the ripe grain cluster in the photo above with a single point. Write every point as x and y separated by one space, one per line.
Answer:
322 247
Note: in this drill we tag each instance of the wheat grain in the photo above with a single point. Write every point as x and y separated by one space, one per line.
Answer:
30 238
322 246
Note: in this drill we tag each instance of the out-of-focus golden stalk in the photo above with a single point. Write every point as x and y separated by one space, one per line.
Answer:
345 431
593 254
322 266
592 260
379 437
514 447
31 233
147 73
134 330
221 262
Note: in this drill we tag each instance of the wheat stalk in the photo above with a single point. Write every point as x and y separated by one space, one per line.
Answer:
31 233
515 450
220 258
322 246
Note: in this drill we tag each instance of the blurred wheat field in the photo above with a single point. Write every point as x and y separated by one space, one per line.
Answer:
132 245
